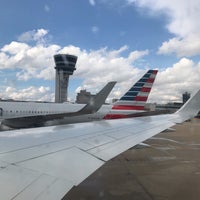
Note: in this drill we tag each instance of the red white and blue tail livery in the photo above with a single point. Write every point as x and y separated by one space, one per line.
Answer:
135 98
137 95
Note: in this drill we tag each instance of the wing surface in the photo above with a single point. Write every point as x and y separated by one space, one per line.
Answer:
45 163
38 120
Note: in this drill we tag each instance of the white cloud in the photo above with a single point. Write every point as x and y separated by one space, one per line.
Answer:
95 68
170 83
39 34
34 35
31 61
95 29
92 2
188 46
137 55
46 8
28 94
173 81
183 22
15 47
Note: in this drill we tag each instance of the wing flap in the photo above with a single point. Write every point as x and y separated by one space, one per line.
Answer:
70 164
98 140
19 183
46 177
14 179
22 155
54 191
41 187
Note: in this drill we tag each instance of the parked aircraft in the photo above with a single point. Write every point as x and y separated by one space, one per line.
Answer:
31 114
46 162
14 118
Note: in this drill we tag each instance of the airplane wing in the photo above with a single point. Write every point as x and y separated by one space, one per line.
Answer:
45 163
93 106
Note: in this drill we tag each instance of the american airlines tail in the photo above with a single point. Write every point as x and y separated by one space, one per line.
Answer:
137 95
135 98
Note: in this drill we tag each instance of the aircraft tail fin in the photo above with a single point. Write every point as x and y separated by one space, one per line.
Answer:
136 97
98 100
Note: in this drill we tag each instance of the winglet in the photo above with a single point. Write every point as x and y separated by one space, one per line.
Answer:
98 100
190 109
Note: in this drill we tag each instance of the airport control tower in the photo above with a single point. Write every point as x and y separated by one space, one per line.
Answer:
65 66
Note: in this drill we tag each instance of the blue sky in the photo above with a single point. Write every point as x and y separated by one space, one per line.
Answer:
113 39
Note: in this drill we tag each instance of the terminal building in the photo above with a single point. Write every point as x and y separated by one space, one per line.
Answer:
83 97
173 106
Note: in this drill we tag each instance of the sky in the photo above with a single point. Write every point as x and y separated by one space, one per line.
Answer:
115 40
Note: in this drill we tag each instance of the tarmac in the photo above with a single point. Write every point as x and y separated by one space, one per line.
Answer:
167 169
